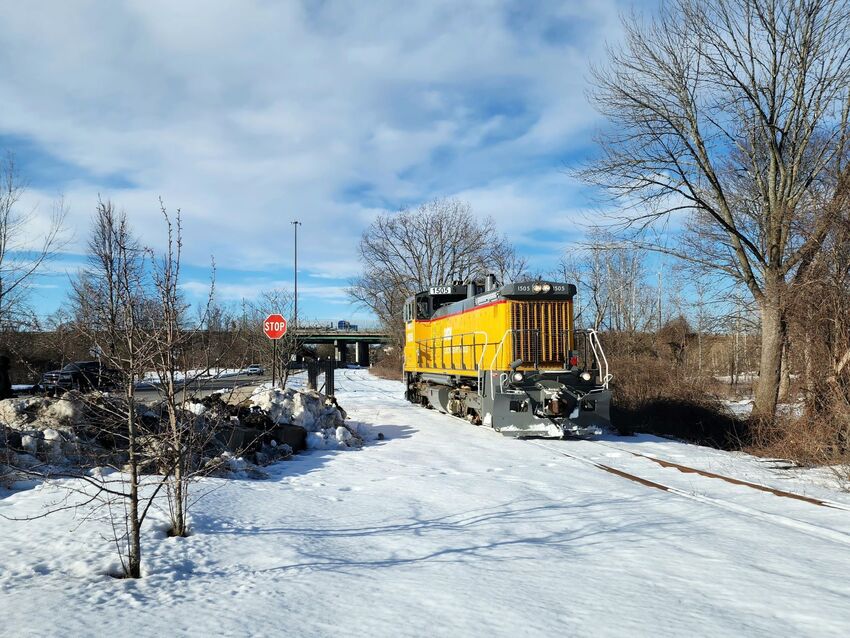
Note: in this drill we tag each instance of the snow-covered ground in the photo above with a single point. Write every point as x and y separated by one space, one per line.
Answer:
743 377
741 408
443 528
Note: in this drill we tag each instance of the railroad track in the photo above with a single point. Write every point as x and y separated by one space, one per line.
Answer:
801 526
728 479
356 380
721 503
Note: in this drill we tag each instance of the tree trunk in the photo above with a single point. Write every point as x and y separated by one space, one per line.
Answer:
134 563
773 332
178 496
809 374
179 514
785 376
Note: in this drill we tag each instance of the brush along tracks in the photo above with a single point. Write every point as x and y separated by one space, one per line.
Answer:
702 488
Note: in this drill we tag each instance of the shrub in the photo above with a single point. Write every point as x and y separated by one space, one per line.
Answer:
388 367
653 397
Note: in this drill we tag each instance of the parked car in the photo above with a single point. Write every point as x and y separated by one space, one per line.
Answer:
255 368
80 375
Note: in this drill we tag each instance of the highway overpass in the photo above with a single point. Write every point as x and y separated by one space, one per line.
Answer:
343 340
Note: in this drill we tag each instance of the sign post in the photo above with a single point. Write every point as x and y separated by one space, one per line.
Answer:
274 327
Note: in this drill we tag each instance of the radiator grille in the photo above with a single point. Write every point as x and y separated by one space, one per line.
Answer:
541 331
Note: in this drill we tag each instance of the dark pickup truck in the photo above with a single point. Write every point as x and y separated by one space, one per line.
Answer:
80 375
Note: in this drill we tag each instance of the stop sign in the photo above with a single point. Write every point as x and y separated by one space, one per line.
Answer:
274 326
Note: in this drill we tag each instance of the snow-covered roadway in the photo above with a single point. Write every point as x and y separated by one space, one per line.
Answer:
446 529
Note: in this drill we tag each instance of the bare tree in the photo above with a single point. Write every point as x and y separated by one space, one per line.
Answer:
434 244
824 327
505 262
170 338
586 270
131 353
611 279
182 442
22 255
734 112
115 331
129 308
96 292
631 301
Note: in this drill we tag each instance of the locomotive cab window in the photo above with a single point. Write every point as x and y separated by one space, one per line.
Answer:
423 308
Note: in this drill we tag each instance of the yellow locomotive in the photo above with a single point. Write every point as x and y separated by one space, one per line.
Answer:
506 356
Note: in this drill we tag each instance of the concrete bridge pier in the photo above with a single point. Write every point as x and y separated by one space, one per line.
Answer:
361 354
341 351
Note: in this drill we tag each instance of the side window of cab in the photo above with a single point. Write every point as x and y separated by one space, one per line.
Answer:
422 309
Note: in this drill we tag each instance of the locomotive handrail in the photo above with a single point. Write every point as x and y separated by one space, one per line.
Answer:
599 354
431 344
499 349
502 377
426 343
481 358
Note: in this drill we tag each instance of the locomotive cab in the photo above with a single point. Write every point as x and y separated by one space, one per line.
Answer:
423 305
506 356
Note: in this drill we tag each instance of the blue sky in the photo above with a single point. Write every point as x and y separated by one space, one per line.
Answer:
249 114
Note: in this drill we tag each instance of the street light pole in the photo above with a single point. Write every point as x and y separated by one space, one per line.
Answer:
295 317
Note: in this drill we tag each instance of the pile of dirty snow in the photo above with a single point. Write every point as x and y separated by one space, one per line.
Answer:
38 429
320 415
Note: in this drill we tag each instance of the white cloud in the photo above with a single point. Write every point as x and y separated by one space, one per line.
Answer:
250 114
227 292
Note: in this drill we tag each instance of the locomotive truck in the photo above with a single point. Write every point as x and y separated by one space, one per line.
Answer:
506 356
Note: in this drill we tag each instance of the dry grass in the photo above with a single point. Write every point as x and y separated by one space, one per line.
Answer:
388 367
810 441
651 396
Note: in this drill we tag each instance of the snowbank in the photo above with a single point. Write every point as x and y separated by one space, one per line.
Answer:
42 412
323 419
42 428
80 431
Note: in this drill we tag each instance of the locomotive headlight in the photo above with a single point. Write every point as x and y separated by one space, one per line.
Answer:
585 376
537 287
518 377
547 287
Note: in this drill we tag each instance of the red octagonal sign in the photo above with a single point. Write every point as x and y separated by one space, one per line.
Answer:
274 326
